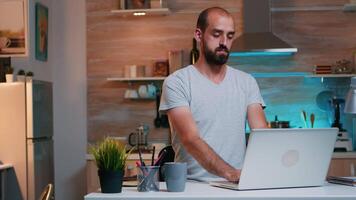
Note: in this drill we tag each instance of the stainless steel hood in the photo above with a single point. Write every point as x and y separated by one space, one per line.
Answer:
257 38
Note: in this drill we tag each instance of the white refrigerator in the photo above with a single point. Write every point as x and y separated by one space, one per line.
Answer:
26 130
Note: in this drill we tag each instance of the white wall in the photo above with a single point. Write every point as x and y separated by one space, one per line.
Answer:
69 78
66 68
42 70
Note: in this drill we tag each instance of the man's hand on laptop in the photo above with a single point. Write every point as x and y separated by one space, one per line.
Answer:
233 175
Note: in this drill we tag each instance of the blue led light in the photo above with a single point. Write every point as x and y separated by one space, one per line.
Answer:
247 54
280 74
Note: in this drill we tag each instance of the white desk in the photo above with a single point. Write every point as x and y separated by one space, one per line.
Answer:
200 191
3 168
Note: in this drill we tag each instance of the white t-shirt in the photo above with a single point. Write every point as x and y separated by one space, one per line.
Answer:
219 111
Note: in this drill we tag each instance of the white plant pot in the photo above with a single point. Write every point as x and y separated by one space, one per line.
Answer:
21 78
29 78
9 78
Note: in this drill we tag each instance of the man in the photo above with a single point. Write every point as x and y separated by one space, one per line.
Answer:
207 104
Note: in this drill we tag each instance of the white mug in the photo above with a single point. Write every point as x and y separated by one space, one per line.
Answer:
151 90
142 91
4 42
127 93
133 94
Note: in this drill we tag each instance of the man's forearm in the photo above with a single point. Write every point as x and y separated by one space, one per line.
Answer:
211 161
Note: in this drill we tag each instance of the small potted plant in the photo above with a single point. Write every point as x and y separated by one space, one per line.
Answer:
29 76
110 156
9 73
21 75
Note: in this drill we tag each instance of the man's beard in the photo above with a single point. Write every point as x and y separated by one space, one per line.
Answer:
213 58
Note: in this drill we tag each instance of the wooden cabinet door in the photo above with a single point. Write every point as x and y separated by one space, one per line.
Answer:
342 167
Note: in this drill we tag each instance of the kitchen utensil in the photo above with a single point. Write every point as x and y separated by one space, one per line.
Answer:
140 137
137 139
157 120
323 98
312 119
336 102
304 118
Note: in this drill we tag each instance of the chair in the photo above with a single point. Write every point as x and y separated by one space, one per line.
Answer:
167 157
47 193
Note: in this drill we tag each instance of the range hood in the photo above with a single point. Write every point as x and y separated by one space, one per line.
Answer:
257 38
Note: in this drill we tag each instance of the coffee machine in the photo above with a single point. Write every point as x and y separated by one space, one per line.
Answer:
343 142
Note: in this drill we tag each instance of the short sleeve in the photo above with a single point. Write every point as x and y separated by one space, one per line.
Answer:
174 94
254 95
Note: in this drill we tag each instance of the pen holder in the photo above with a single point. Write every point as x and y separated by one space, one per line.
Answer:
147 178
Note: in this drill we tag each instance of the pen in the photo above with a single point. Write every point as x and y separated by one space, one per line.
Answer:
141 160
160 157
153 155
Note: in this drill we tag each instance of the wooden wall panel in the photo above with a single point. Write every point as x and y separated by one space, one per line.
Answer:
113 42
306 3
322 37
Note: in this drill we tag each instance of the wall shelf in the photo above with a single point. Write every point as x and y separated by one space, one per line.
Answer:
330 75
142 12
256 75
298 74
279 74
136 79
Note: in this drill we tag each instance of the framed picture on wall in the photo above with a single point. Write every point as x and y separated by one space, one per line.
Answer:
41 22
13 28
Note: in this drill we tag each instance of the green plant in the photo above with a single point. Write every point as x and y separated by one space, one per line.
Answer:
21 72
110 155
9 70
29 73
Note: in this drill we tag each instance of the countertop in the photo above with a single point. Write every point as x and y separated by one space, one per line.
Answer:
134 156
200 191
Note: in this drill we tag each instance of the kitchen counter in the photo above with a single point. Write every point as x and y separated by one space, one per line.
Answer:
134 156
200 191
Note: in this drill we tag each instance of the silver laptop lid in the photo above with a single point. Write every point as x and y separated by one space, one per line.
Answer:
279 158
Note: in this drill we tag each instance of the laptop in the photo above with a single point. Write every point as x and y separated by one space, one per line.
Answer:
285 158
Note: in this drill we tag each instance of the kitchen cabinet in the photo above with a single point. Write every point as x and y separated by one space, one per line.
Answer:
343 164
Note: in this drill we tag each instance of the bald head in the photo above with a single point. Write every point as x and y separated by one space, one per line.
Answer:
203 21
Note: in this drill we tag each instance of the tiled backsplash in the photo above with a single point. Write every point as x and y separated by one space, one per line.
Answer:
287 96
